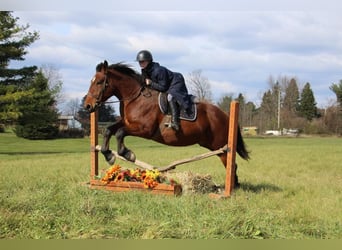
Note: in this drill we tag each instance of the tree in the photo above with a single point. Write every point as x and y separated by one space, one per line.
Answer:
269 108
83 116
307 107
106 114
54 80
246 110
290 104
14 39
250 112
224 102
38 119
291 97
267 111
72 107
199 85
242 110
337 89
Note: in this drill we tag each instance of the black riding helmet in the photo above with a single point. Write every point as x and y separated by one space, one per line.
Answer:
144 55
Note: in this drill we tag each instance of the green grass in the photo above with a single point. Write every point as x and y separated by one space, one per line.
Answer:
290 189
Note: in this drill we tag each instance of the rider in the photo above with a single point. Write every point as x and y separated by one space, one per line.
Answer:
162 79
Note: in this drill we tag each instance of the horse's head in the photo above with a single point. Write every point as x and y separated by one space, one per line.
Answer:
118 79
98 89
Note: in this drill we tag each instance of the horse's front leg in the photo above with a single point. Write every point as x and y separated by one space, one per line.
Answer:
110 130
122 150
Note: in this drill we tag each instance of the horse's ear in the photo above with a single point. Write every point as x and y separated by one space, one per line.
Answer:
105 66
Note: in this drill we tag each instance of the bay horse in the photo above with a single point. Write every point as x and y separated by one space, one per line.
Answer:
140 116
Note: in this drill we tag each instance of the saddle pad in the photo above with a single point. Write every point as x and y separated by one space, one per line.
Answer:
190 115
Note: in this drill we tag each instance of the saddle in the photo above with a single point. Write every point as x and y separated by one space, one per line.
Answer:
188 115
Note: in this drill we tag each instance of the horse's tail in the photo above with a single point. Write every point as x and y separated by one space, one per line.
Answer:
241 147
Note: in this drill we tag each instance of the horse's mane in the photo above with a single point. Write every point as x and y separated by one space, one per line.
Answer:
123 68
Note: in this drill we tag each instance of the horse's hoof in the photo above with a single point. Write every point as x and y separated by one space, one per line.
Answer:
111 161
109 156
130 156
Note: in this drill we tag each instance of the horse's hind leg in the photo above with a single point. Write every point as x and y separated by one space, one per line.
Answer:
122 150
110 130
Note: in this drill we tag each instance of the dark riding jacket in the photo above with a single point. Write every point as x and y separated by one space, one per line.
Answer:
164 80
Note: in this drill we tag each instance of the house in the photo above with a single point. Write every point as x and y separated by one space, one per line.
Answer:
66 122
250 131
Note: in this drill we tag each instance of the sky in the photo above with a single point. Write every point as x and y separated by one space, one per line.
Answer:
237 46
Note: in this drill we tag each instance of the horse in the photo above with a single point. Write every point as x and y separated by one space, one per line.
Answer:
141 116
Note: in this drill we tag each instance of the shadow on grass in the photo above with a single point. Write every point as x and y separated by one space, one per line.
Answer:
257 188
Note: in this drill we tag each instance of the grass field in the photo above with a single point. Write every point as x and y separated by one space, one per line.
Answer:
290 189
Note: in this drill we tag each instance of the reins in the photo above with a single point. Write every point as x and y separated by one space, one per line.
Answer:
137 94
133 97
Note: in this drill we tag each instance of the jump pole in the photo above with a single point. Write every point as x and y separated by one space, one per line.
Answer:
94 157
231 153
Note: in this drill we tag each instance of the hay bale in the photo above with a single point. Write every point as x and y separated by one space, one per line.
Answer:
195 183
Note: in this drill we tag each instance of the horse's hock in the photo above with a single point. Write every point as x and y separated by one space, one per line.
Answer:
229 149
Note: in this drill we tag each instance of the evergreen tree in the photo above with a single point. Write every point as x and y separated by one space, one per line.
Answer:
224 103
242 109
14 39
307 107
106 114
240 99
267 111
290 105
291 98
337 89
38 119
83 116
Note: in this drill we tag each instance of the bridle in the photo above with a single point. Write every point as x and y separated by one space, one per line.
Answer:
98 97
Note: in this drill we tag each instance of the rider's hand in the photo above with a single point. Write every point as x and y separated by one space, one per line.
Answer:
148 81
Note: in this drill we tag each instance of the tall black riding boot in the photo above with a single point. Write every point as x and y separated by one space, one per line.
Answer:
175 112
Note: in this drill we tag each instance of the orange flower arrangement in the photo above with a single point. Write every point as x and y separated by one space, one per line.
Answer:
150 178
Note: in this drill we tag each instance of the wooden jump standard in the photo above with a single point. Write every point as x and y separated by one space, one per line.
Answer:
229 149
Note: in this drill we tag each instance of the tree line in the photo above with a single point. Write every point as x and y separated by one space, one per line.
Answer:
285 106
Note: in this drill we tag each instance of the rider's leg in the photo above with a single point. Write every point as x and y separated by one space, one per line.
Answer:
175 112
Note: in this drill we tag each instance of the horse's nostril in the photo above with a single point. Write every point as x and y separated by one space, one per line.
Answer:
88 107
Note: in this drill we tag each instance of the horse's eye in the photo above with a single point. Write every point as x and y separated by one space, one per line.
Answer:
99 82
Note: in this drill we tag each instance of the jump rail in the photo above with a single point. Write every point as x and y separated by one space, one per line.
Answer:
172 165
